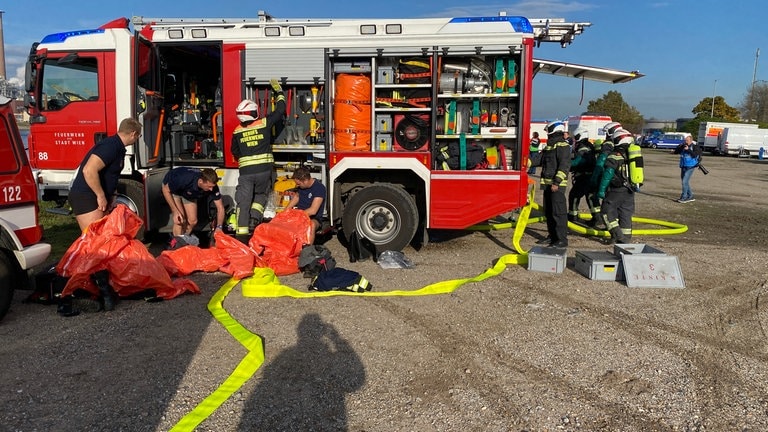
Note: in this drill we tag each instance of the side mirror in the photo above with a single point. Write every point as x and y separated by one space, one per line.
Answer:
30 69
30 76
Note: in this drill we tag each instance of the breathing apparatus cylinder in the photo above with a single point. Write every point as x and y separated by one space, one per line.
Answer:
636 164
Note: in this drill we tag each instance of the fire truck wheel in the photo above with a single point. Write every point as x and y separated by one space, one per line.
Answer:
384 214
7 272
131 193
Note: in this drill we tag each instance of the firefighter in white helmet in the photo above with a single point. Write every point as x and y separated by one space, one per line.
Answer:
555 164
605 150
601 154
252 147
582 166
616 189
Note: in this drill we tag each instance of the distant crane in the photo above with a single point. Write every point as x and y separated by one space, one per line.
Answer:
2 49
754 72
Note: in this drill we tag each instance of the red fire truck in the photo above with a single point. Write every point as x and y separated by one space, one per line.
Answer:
410 123
20 231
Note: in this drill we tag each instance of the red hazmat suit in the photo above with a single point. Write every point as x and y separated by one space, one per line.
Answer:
109 244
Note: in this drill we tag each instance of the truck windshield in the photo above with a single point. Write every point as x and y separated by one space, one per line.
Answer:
66 82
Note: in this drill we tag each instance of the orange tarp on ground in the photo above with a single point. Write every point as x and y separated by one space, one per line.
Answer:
109 244
275 244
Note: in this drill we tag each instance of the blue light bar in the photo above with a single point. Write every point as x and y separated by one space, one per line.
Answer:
61 37
520 24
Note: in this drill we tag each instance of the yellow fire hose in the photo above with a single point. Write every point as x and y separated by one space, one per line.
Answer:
524 220
265 284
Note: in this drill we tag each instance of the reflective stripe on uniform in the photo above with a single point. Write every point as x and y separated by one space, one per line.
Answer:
245 161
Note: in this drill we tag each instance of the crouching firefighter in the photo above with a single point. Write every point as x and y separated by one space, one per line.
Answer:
252 147
622 177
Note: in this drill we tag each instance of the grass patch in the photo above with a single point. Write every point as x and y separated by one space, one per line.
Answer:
60 231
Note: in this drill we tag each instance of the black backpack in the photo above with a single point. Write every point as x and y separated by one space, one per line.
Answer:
454 157
360 248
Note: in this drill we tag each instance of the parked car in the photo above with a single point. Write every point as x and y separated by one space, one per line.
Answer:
649 140
670 140
20 231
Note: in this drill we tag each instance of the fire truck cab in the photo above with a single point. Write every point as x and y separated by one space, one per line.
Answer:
20 232
409 123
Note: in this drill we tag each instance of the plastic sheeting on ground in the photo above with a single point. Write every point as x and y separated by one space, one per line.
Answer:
279 241
189 259
109 244
275 245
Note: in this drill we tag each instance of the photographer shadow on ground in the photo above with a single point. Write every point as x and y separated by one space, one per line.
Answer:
304 387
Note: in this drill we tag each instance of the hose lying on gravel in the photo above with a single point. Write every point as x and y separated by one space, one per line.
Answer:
265 284
524 220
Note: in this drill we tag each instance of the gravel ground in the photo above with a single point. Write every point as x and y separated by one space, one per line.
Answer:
523 351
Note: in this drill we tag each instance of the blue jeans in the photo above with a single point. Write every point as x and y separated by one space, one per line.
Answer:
686 174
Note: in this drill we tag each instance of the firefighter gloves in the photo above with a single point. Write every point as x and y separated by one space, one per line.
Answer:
276 85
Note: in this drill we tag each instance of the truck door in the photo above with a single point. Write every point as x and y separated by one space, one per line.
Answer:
18 191
69 110
150 108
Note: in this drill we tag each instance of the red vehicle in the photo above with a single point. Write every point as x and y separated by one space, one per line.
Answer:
20 231
410 123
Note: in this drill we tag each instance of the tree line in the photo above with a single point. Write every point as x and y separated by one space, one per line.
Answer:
752 109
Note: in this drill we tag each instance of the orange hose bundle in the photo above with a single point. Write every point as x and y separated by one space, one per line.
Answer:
352 113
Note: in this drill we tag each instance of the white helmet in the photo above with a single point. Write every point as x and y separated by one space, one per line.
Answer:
610 128
622 137
247 111
555 127
581 133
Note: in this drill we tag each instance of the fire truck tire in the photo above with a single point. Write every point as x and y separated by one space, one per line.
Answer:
7 282
385 214
131 193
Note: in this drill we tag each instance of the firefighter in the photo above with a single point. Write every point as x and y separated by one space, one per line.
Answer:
94 188
555 164
252 147
605 150
182 188
601 153
616 189
533 151
582 166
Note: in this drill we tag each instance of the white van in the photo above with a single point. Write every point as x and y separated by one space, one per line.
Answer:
709 133
742 141
594 123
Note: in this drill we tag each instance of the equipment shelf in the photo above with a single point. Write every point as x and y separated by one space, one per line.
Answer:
476 95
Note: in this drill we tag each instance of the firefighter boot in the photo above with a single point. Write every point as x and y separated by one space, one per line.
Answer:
108 295
592 223
617 236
